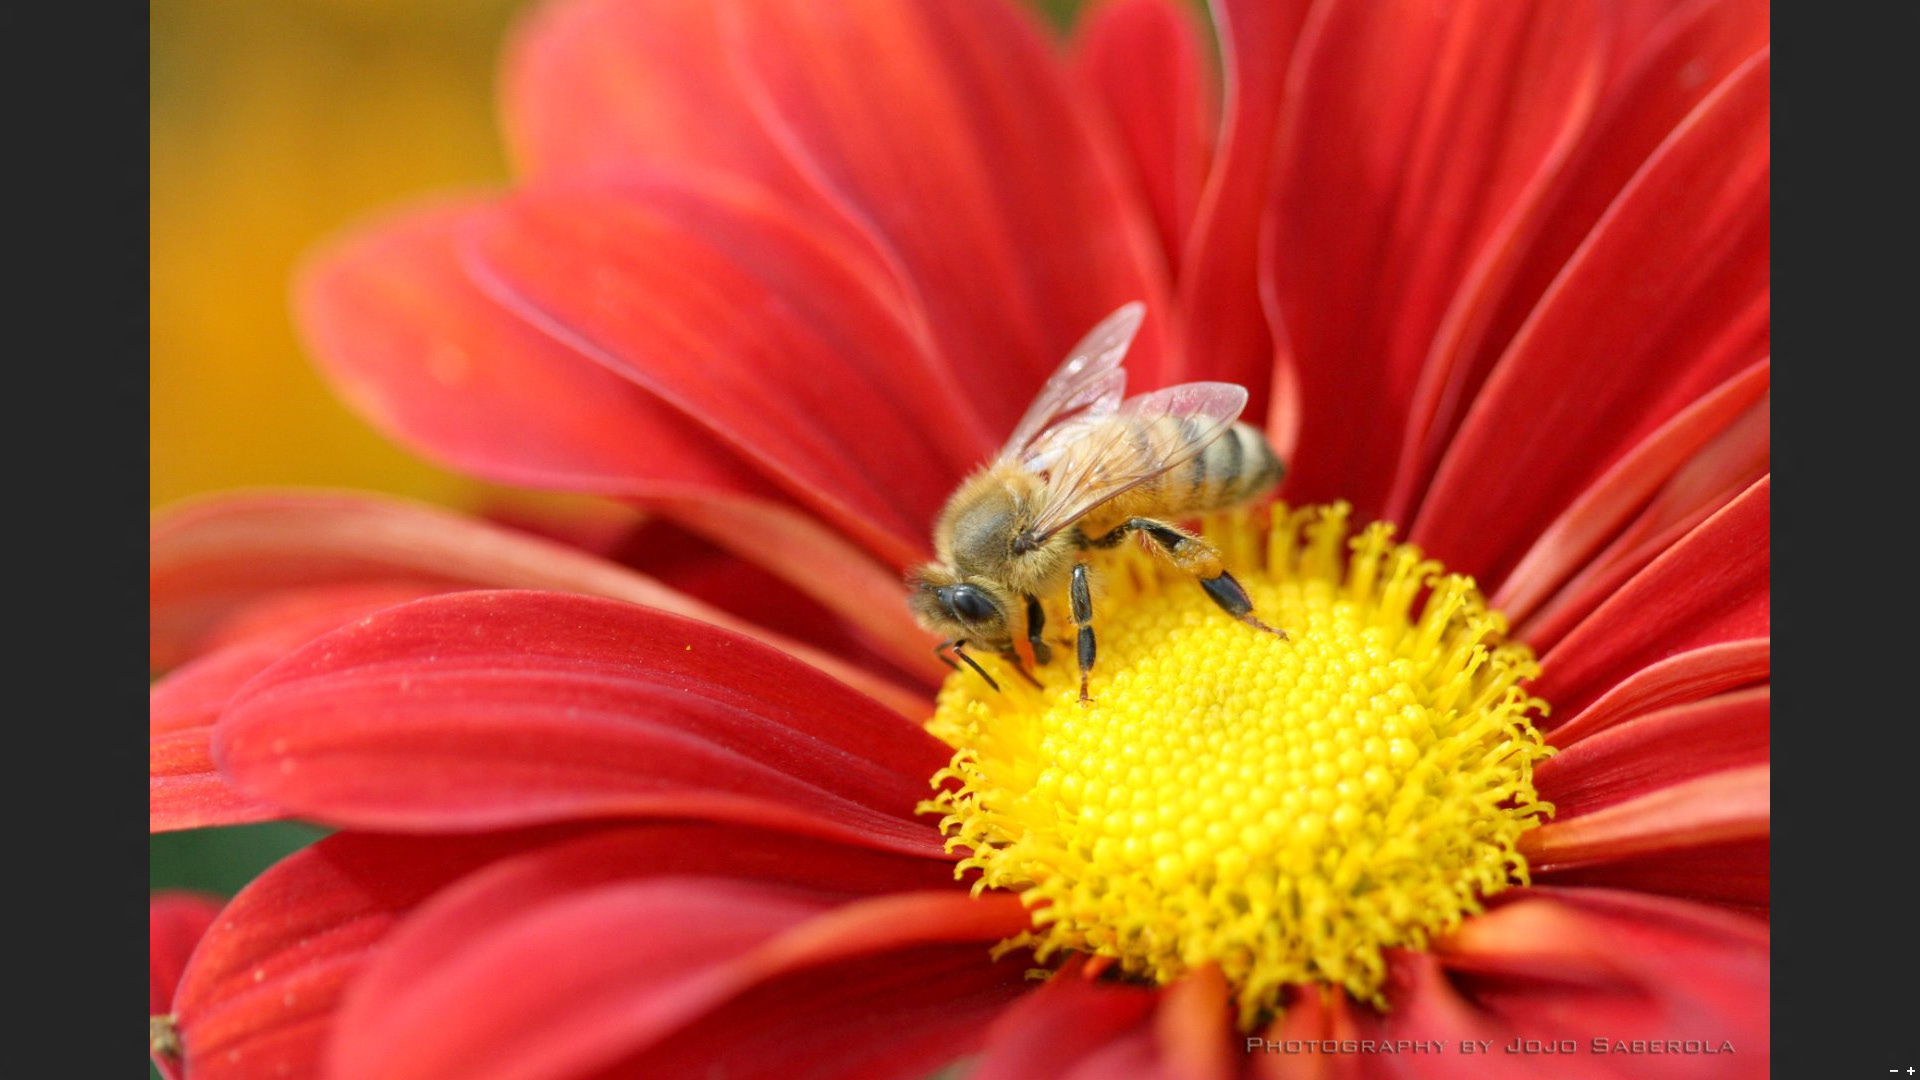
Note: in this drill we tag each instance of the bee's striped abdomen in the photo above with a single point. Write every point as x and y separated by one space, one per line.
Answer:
1237 467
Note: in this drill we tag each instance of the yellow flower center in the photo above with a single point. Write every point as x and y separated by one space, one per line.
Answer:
1283 808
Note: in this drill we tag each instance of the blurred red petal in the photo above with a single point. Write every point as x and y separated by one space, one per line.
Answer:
1641 313
176 920
596 87
259 994
213 559
1736 874
185 791
1051 1030
1581 964
1686 676
1715 475
1711 587
595 974
1145 61
408 340
525 883
1229 337
826 387
951 132
488 710
1719 807
1656 750
897 1015
1194 1026
1401 165
1605 505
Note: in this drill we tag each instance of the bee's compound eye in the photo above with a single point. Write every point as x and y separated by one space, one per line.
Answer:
968 602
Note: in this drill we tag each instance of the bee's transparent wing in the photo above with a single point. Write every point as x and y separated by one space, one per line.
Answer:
1089 382
1091 461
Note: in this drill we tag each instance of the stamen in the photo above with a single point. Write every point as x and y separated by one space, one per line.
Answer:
1285 808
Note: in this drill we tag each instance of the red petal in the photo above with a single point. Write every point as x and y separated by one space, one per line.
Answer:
210 557
185 791
1415 144
1733 462
411 343
1052 1029
176 920
766 331
1194 1026
1220 289
1736 874
1656 750
1144 62
1638 322
897 1015
1711 587
486 710
595 87
259 993
1582 964
1667 76
1730 805
1687 676
951 133
1600 510
568 979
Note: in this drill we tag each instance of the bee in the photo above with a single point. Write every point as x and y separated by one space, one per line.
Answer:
1083 470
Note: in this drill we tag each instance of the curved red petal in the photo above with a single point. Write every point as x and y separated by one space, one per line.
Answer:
1638 322
1227 317
1587 964
1686 676
259 993
1143 60
176 920
1720 807
1656 750
596 974
1051 1030
951 133
1736 874
216 560
1667 71
1415 142
391 316
488 710
825 387
1716 475
897 1015
1605 506
1666 76
595 87
1711 587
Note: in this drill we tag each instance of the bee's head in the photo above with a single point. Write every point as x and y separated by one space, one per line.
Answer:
948 605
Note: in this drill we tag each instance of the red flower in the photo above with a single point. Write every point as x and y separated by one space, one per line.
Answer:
780 273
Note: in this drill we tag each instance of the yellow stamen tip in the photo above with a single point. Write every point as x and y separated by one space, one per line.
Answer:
1284 808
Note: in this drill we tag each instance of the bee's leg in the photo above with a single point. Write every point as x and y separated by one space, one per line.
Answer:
1037 622
1082 596
1198 557
1233 599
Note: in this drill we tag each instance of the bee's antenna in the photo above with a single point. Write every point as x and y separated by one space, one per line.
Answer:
977 669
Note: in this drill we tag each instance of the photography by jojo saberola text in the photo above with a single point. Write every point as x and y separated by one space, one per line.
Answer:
1597 1045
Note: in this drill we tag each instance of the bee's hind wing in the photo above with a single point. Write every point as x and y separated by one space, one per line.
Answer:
1088 383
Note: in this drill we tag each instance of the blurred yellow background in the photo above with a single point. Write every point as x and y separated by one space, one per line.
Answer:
273 125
